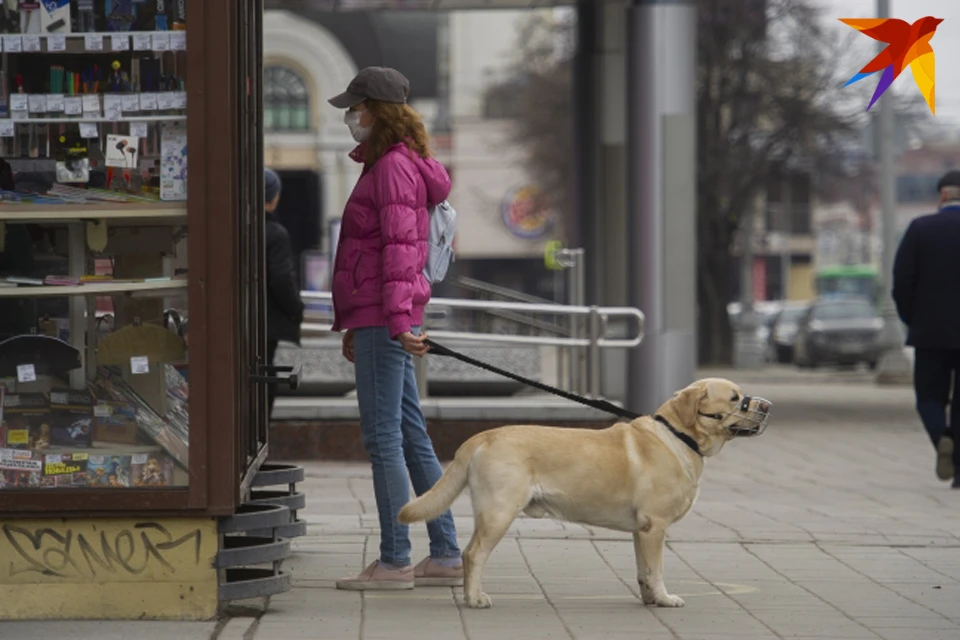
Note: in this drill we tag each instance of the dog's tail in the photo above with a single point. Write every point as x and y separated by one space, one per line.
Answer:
451 484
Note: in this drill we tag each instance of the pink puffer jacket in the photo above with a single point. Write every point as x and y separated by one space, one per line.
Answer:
378 276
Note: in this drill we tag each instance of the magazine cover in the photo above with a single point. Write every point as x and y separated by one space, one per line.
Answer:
108 471
71 418
65 469
26 417
152 470
20 469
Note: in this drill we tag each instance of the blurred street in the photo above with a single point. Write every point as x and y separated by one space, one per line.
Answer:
831 525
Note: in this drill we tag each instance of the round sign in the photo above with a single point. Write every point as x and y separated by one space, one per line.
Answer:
526 213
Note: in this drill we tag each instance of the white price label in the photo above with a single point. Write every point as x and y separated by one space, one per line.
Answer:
131 102
37 103
140 458
113 107
26 373
53 458
12 44
57 43
19 115
142 42
91 104
180 100
138 130
161 41
55 103
93 42
178 40
73 106
89 130
60 397
102 411
148 102
139 365
19 102
11 401
6 128
166 100
120 42
31 43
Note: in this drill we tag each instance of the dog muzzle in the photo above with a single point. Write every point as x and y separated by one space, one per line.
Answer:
752 417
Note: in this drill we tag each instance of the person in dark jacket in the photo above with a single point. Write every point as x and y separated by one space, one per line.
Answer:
925 275
284 306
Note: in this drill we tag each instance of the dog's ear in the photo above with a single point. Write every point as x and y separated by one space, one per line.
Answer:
686 403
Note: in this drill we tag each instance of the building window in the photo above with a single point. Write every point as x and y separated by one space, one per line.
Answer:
286 102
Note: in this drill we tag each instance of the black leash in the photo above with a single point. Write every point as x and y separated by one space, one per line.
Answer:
600 405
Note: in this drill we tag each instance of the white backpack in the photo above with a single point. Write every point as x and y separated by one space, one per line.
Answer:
443 226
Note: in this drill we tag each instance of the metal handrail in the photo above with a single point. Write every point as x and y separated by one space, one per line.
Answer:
601 314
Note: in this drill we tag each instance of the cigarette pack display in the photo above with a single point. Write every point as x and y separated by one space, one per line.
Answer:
108 471
71 415
26 418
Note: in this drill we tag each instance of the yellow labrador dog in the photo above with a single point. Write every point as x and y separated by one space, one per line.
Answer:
639 477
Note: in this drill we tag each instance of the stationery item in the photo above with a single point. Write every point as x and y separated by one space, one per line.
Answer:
9 17
160 22
86 18
180 18
121 151
29 16
173 161
73 163
120 14
55 16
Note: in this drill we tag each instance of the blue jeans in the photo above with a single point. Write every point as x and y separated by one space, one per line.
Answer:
395 436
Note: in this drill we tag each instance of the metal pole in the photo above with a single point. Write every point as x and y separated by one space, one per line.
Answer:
593 357
894 366
746 348
661 196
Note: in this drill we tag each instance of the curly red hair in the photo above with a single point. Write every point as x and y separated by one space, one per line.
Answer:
395 123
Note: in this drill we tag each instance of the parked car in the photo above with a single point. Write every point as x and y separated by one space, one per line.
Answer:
842 330
783 331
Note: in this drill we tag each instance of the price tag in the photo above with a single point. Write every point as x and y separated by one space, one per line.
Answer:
180 100
31 43
57 43
139 365
120 42
148 102
11 401
12 44
93 42
166 100
161 41
19 115
26 373
6 128
113 107
19 102
102 411
89 130
37 103
91 104
55 103
59 397
142 42
139 130
73 106
53 458
131 102
178 40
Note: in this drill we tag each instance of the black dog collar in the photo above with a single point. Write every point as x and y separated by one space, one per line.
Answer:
684 438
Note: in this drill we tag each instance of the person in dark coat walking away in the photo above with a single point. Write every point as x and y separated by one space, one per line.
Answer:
925 275
284 306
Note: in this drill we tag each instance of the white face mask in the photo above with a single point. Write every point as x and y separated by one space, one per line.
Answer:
352 120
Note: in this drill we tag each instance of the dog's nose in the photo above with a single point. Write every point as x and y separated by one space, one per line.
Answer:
763 406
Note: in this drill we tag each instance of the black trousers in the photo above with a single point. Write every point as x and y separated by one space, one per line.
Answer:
936 382
271 388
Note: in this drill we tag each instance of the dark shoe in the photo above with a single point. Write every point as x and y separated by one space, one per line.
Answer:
956 483
945 470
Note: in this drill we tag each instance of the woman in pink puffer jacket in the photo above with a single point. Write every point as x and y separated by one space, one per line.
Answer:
379 292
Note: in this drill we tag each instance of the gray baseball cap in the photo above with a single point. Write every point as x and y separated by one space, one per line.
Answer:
376 83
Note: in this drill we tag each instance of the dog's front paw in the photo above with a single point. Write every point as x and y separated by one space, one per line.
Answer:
667 600
483 601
